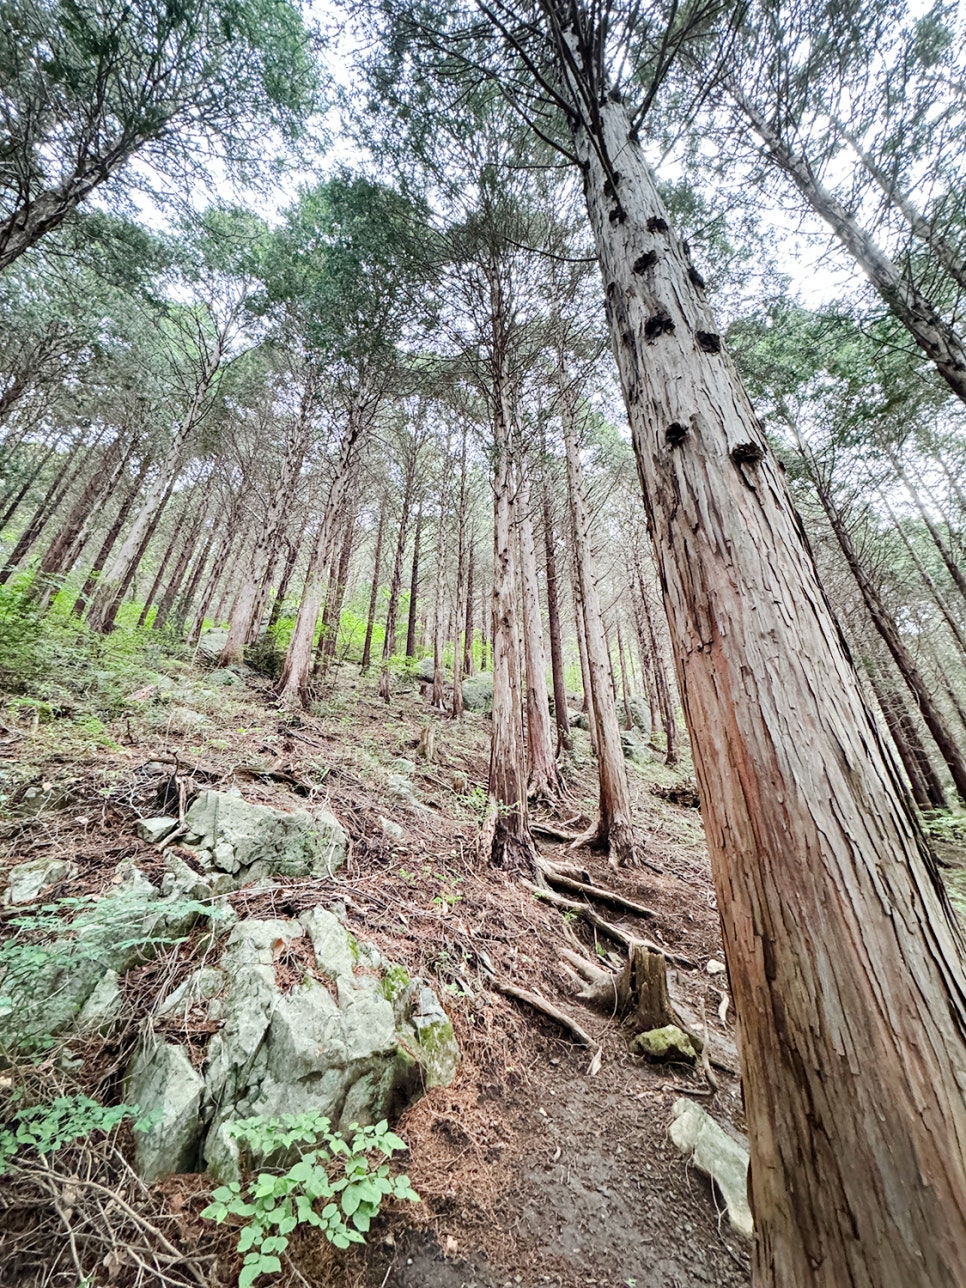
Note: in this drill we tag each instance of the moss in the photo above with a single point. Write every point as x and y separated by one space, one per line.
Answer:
394 982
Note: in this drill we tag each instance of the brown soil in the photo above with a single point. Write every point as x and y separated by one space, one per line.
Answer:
532 1170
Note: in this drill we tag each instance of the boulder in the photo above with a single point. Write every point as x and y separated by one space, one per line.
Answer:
635 747
224 677
425 670
355 1038
27 880
478 692
392 831
641 715
718 1156
165 1086
580 720
212 642
251 842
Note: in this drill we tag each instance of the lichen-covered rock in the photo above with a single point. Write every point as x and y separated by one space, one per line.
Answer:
27 880
163 1083
715 1153
478 692
154 830
355 1038
254 841
666 1043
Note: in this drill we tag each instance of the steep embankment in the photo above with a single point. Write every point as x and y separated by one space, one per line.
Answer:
543 1162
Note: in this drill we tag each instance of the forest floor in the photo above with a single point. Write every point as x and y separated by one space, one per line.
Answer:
532 1168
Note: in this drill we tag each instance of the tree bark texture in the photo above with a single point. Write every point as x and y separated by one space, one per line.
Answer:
844 956
543 780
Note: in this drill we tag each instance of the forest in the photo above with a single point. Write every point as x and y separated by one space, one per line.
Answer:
482 644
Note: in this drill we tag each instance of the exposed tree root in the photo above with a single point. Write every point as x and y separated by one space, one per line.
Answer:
613 932
556 876
546 1008
622 842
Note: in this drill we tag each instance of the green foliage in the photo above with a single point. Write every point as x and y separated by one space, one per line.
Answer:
942 825
45 1128
311 1191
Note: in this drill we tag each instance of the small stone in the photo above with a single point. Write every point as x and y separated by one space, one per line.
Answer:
390 829
26 880
154 830
715 967
716 1154
667 1043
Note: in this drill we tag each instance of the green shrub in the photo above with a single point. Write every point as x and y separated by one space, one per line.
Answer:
311 1192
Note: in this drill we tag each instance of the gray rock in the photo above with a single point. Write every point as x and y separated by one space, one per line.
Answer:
425 670
201 986
478 692
224 677
255 841
212 642
154 830
391 830
718 1156
403 766
163 1083
580 720
635 747
641 715
26 880
103 1004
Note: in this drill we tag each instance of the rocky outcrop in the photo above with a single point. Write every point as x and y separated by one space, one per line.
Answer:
478 692
351 1037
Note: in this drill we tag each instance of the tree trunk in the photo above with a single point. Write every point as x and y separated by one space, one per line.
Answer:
111 588
17 494
506 833
615 828
294 687
280 499
468 632
844 955
373 592
291 558
625 684
884 623
935 593
948 558
70 470
662 687
937 339
543 780
395 584
561 719
588 704
414 588
110 539
927 790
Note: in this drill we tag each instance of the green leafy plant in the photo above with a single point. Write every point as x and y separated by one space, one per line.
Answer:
45 1128
337 1186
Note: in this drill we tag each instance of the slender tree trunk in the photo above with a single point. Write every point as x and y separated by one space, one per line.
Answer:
468 631
109 595
16 495
60 554
243 611
543 780
151 597
70 470
561 719
506 832
295 685
188 535
110 539
665 702
437 695
845 958
644 651
395 584
615 827
927 790
915 493
183 602
291 558
625 685
373 592
882 620
463 590
938 340
588 703
935 593
414 588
